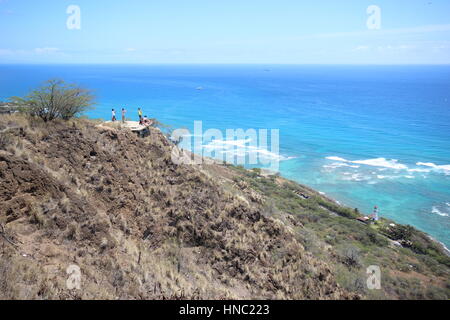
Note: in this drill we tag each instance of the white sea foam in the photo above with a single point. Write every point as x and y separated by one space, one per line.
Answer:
377 162
447 251
384 164
356 177
419 170
226 144
241 148
437 211
379 176
337 159
444 168
445 248
426 164
335 165
267 154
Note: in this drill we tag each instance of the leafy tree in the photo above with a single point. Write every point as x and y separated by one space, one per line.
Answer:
56 100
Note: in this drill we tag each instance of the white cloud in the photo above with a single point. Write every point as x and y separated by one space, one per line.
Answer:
381 32
362 48
47 50
441 45
6 52
384 48
401 47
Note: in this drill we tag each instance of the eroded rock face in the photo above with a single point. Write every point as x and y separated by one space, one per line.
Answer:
138 225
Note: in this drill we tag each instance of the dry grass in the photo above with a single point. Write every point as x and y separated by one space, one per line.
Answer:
142 227
138 225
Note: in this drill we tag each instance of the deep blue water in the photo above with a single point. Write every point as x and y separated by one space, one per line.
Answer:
364 135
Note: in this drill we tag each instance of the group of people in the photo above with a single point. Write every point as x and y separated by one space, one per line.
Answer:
143 120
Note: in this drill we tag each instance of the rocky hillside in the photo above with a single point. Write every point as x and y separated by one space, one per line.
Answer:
141 227
7 108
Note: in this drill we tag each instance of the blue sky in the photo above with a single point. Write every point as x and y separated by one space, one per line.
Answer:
231 31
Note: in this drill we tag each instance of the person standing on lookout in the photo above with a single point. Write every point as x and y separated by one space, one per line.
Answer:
123 115
140 115
113 115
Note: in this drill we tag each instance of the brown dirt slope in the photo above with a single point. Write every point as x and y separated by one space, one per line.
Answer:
138 225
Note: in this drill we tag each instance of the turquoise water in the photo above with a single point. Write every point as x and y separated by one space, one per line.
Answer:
364 135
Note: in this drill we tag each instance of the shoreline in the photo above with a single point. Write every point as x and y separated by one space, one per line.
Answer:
207 207
267 173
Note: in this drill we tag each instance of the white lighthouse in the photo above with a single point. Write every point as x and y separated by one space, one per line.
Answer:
375 213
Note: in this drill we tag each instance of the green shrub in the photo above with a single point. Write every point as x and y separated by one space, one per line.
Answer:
56 100
399 232
334 207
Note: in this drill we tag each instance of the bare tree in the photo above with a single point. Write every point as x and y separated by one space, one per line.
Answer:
56 100
351 256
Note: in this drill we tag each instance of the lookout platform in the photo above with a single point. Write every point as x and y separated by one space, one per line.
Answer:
134 126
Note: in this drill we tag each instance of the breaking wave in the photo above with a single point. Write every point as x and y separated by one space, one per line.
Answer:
378 162
241 148
443 168
436 210
383 164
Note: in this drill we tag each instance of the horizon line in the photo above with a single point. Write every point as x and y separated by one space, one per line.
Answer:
217 63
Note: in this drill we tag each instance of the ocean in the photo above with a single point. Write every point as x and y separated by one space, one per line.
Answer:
363 135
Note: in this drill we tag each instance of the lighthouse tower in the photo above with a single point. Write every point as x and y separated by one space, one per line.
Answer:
375 213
